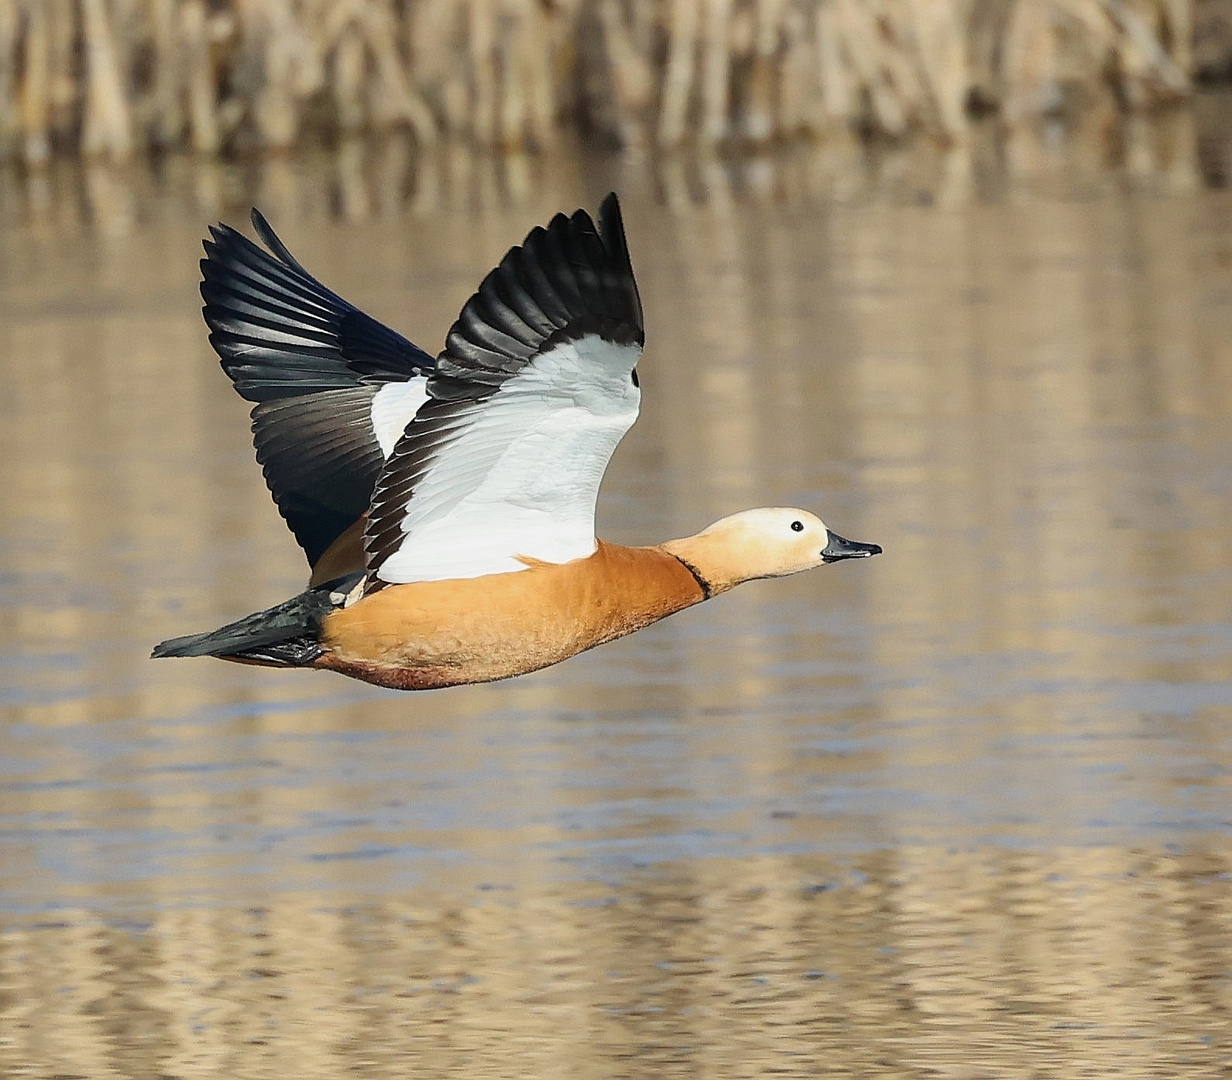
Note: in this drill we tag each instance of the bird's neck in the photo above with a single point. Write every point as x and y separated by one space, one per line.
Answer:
715 565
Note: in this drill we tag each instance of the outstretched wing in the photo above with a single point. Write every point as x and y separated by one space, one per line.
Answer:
535 388
333 387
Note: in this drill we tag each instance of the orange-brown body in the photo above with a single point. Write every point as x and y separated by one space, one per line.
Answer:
433 634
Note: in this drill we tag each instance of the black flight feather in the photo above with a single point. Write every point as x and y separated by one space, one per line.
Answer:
321 461
280 333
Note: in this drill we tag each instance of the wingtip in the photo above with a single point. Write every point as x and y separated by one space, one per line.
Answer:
610 219
218 236
260 224
612 231
272 241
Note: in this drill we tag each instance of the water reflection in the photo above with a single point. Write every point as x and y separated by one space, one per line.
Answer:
1085 963
963 810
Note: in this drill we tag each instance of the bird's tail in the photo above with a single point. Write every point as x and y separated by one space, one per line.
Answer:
287 635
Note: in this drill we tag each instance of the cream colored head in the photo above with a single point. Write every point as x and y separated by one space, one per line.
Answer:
768 542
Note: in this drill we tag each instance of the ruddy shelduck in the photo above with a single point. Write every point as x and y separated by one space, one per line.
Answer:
447 506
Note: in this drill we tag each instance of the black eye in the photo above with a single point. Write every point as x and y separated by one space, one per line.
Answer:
797 526
635 382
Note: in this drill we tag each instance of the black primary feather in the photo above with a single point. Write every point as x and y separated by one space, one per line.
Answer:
280 333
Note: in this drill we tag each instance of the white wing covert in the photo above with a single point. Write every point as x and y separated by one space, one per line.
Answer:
533 391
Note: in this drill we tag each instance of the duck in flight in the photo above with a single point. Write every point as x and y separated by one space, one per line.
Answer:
446 506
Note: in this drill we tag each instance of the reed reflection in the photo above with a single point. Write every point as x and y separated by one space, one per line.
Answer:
386 178
1098 963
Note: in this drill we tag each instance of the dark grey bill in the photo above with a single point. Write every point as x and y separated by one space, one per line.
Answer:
837 548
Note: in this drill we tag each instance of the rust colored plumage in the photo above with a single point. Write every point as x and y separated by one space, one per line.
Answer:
446 633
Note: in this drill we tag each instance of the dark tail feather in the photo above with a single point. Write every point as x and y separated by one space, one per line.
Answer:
287 635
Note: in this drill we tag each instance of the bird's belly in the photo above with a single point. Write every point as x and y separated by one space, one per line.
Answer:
428 658
447 633
417 650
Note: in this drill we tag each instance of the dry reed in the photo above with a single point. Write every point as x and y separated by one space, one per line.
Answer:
109 77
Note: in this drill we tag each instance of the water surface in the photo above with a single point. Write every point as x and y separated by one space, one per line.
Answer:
962 810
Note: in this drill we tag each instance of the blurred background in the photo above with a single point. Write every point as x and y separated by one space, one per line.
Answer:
956 274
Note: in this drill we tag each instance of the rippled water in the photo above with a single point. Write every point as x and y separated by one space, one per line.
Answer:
962 810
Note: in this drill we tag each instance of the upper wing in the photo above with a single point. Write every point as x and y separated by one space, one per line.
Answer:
535 388
333 387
